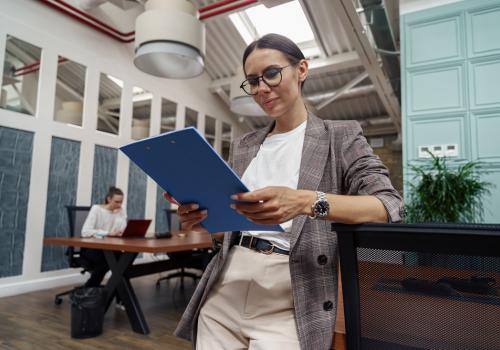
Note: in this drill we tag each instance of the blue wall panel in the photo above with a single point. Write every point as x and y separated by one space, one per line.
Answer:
161 217
484 26
16 148
104 174
484 89
435 41
61 191
492 201
434 90
444 129
486 131
136 194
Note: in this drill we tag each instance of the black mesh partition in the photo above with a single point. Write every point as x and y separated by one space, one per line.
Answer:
421 286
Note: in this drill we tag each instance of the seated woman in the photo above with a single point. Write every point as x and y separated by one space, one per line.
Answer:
108 219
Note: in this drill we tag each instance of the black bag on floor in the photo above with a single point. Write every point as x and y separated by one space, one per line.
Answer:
87 311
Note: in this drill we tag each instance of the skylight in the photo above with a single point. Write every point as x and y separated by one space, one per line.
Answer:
287 19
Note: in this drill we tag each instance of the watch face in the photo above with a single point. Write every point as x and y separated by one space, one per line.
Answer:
321 208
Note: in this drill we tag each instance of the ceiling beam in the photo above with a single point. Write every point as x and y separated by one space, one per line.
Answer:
317 66
221 93
379 130
337 93
353 92
334 63
351 22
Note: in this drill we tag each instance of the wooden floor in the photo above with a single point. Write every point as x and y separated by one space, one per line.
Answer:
33 321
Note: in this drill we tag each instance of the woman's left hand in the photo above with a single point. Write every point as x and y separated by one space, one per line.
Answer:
273 204
116 233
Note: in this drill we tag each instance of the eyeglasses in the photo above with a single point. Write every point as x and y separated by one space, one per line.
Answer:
271 77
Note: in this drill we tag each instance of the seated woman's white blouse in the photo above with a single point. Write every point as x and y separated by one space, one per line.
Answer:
103 220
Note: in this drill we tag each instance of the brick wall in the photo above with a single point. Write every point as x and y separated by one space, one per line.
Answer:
391 156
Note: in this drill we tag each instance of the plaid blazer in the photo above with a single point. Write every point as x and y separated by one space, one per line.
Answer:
335 159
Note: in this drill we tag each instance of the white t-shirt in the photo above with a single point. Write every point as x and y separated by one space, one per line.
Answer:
103 221
277 164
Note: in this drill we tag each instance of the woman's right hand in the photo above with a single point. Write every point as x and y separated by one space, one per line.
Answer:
189 215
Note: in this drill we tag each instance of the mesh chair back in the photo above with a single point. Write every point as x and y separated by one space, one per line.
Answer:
80 215
76 219
415 287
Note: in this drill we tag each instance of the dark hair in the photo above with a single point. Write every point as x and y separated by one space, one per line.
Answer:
111 192
276 42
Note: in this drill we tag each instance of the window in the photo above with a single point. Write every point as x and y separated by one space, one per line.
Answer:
141 113
210 130
287 19
20 76
108 110
226 140
168 115
70 87
191 118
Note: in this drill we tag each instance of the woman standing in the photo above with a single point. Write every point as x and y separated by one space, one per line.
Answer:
269 290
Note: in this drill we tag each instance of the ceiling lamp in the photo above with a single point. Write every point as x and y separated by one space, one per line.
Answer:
240 102
170 40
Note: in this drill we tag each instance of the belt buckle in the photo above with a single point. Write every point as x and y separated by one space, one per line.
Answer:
267 252
249 244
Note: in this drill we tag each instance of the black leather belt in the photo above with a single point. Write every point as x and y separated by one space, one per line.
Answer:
260 245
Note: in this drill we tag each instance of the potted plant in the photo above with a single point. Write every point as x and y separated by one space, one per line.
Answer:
443 194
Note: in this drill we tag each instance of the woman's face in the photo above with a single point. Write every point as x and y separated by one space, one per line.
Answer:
278 100
115 202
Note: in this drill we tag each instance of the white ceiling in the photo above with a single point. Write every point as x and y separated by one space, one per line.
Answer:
339 64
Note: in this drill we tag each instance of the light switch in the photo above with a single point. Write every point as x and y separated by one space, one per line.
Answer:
451 150
438 150
423 151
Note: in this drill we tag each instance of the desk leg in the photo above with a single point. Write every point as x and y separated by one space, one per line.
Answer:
121 284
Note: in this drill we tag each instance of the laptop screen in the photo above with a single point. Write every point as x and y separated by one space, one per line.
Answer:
136 228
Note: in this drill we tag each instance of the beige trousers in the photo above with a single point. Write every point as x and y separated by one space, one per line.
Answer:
250 306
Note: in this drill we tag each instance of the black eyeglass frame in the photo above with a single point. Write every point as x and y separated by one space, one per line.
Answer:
261 78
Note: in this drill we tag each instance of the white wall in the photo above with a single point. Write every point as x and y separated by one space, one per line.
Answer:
407 6
57 34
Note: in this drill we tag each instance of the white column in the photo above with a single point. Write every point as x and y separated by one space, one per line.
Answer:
201 123
218 135
150 211
40 163
180 119
89 127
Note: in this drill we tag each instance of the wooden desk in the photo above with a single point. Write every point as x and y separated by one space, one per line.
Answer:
190 240
122 269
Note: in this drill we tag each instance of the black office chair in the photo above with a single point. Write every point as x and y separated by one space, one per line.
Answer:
76 219
196 259
395 301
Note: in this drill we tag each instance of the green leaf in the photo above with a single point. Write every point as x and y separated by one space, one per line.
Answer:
443 193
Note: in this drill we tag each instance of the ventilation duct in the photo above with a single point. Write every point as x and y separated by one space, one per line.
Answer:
379 21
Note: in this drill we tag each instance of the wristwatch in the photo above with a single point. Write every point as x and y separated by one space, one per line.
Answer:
320 207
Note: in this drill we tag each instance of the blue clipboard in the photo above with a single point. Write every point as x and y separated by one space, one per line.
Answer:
185 165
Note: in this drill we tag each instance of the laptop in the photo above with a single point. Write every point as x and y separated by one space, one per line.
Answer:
136 228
